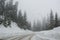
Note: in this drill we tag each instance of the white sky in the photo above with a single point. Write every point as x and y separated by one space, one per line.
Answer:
37 9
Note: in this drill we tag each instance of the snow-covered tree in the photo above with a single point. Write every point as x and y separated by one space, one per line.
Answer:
2 6
10 13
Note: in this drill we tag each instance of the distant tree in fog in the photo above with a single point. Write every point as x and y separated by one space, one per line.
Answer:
29 25
25 18
20 19
44 23
56 20
34 26
51 25
37 26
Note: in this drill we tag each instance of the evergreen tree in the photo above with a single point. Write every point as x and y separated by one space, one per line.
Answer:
59 21
2 10
34 26
24 21
8 12
2 6
51 20
56 20
20 19
14 14
38 26
44 23
28 26
47 24
25 18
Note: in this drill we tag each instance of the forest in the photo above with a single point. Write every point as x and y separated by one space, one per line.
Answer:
52 21
9 12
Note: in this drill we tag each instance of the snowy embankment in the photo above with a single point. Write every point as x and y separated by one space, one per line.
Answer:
13 31
16 33
48 35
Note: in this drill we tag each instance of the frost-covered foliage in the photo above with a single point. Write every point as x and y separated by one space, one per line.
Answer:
8 12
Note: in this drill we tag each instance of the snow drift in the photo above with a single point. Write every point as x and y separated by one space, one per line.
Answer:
11 31
28 35
48 35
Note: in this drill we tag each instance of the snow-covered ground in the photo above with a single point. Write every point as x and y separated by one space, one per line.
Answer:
12 31
48 35
16 33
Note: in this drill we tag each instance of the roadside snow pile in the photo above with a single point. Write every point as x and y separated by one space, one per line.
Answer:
56 29
11 31
48 35
29 35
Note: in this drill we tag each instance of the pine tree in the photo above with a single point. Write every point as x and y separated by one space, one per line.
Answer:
34 26
8 12
25 17
16 10
51 20
14 14
2 9
11 12
25 23
29 26
20 19
2 6
56 20
44 22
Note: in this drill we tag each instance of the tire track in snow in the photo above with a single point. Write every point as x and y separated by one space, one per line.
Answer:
20 37
28 37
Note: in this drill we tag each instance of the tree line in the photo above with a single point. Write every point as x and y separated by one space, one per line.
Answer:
51 22
8 13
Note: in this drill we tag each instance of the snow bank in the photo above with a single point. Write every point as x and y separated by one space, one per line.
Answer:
48 35
42 35
11 31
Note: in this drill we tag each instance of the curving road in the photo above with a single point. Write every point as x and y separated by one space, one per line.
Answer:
20 37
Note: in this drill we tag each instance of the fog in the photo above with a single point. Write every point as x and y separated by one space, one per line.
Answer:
37 9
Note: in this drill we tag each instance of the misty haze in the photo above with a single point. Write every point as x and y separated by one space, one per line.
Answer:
29 19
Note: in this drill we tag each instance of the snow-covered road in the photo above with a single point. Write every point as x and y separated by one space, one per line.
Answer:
20 37
43 35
